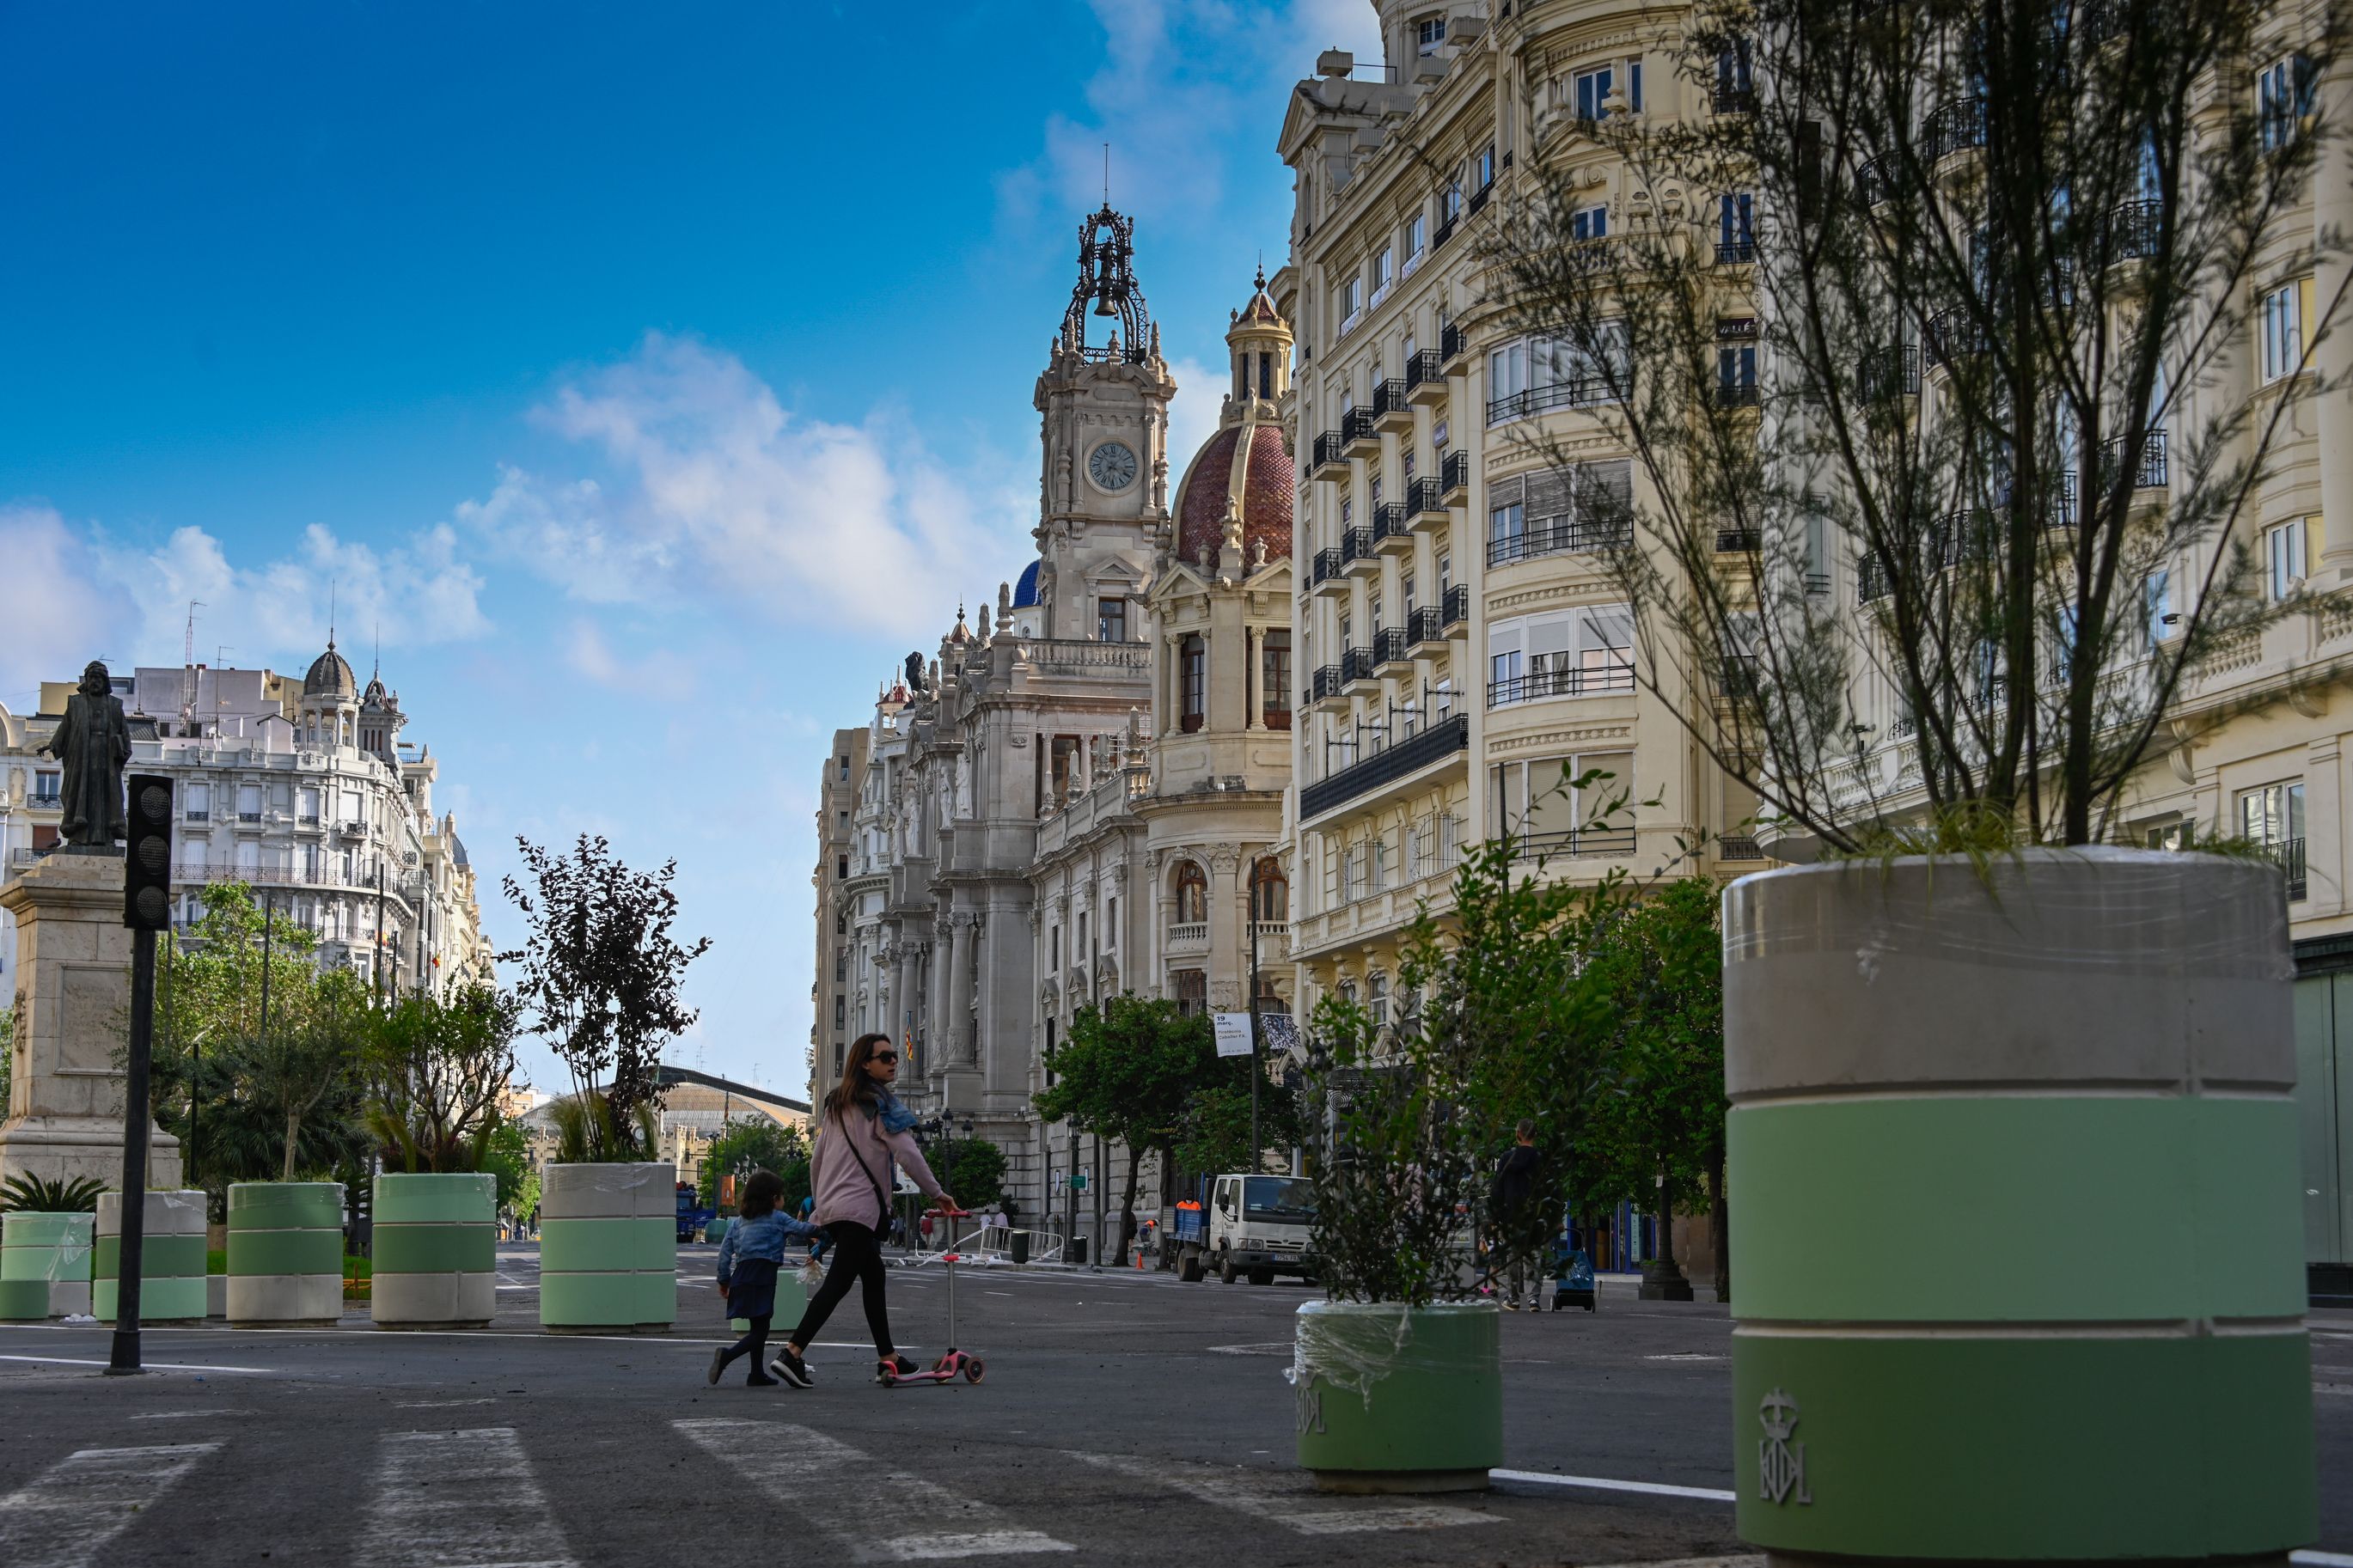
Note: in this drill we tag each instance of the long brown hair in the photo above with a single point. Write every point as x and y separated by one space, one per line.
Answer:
856 1088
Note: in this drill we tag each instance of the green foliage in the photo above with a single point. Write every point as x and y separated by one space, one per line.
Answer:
44 1195
7 1051
600 982
436 1071
506 1154
971 1169
1214 1135
586 1128
1128 1072
756 1143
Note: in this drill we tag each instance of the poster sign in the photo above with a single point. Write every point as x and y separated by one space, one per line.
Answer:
1233 1032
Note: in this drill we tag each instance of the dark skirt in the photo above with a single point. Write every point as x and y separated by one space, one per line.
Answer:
752 1291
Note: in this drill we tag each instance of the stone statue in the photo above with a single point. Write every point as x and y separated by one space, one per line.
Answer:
94 743
915 672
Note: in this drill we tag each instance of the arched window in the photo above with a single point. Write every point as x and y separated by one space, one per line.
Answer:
1193 675
1269 894
1192 894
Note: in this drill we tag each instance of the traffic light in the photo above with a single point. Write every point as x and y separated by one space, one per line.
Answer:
147 861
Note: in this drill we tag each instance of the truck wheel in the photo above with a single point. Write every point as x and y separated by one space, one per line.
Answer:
1262 1277
1189 1270
1226 1268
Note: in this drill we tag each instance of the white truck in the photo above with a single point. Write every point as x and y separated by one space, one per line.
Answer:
1251 1227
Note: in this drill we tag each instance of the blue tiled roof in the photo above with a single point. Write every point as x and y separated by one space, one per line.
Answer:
1025 592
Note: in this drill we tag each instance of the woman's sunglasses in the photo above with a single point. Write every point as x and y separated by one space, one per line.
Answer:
891 1057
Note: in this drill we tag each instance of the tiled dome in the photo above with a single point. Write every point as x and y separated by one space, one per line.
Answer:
1025 592
329 676
1263 483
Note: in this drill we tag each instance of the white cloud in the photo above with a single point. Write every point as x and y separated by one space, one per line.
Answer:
718 489
1192 416
54 616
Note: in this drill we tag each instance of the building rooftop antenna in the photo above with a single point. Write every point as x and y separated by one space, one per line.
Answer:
188 667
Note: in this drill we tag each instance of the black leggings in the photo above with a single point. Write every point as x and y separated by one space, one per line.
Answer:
754 1344
856 1256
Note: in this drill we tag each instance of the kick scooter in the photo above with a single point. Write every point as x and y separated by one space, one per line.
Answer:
954 1364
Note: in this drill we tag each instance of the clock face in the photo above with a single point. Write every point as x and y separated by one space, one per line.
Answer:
1112 466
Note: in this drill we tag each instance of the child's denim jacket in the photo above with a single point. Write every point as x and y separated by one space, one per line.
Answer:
763 1239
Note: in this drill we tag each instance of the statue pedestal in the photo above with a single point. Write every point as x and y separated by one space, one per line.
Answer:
73 1027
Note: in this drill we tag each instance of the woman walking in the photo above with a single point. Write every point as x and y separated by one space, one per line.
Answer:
749 1256
861 1130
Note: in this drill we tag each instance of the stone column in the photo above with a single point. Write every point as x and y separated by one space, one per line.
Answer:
2332 211
73 979
936 1041
959 1009
903 994
1253 676
1228 937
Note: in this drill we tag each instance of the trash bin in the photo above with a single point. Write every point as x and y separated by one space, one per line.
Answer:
1078 1250
1020 1247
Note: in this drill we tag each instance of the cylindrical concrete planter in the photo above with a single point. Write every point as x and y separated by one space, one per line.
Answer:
172 1255
2013 1165
436 1250
45 1261
792 1302
608 1247
285 1252
1400 1399
714 1231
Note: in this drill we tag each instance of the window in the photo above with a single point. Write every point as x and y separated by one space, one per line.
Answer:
1589 223
840 964
2273 815
1429 35
2284 92
1404 592
841 867
1111 923
1735 374
1384 269
1484 166
1110 620
840 1011
1417 237
1192 988
2284 553
844 765
1449 202
47 790
1507 529
1592 90
1270 894
1735 232
1192 887
307 806
1352 301
1734 81
2283 330
1193 674
1561 653
198 806
1445 574
1054 949
1274 679
2158 593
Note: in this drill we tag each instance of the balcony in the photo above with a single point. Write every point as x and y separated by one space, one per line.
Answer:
1357 668
2059 514
1456 609
1738 541
1872 584
1952 128
194 812
1735 100
1389 655
1557 536
1357 556
1445 232
253 817
1739 847
1392 412
1439 740
1875 180
1358 436
1454 478
1575 843
1323 692
1479 197
1327 578
1890 373
1330 462
1424 631
1277 932
1735 394
1451 345
2138 229
1952 333
2151 473
2288 855
1571 392
1186 936
1734 252
1425 379
1392 533
1569 680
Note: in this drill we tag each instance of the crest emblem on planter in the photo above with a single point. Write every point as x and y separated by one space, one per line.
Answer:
1780 1464
1311 1406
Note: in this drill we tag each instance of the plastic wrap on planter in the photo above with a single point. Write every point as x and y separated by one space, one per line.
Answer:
171 1252
608 1245
1394 1398
285 1252
436 1246
45 1264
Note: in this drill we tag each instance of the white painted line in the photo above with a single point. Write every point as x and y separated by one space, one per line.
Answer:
144 1365
1688 1355
2321 1559
1752 1559
65 1516
459 1499
440 1404
1263 1347
1600 1484
186 1415
1283 1497
923 1522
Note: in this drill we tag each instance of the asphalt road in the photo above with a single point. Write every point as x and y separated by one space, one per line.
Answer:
1125 1419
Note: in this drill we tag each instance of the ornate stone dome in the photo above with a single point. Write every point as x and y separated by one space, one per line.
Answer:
1246 465
329 676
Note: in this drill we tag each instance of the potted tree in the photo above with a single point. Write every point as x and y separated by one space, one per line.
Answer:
284 1253
600 982
1948 541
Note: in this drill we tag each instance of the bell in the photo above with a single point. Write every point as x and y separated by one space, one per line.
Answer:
1105 284
1103 306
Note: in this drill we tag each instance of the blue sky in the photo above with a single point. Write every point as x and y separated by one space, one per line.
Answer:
649 378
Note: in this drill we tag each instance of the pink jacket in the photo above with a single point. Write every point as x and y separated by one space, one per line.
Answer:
853 1157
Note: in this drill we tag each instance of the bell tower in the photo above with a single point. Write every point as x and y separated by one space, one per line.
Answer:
1103 428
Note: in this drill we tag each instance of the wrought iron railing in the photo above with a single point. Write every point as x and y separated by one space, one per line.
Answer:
2138 229
1355 544
1574 844
1738 541
1324 683
1574 391
1739 847
2150 474
1355 664
1952 128
1570 680
1557 536
1424 626
1424 369
1456 608
1454 473
1389 645
1389 523
1449 343
1327 449
1891 372
1388 397
1357 425
1328 567
1427 739
1426 497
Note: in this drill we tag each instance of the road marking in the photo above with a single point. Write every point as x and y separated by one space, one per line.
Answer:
186 1415
2321 1559
1275 1496
1690 1355
1263 1347
925 1522
459 1499
66 1515
1601 1484
440 1404
1751 1560
144 1365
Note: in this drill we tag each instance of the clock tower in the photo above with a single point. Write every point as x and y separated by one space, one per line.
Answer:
1103 426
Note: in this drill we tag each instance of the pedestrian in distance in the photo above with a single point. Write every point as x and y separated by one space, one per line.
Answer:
862 1131
1515 1183
927 1230
749 1256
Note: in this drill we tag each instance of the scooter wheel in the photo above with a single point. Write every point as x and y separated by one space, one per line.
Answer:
972 1369
888 1380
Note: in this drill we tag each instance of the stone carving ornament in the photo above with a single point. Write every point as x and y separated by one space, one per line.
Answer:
93 742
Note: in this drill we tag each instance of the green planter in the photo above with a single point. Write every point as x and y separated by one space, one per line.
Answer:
608 1247
2015 1283
172 1258
435 1251
285 1253
715 1230
1398 1399
792 1301
45 1261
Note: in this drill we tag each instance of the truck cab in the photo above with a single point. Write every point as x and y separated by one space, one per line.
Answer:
1254 1228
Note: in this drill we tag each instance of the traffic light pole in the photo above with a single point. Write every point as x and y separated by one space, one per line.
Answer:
1258 1070
133 1241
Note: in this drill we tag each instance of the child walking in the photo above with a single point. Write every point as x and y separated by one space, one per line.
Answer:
749 1256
